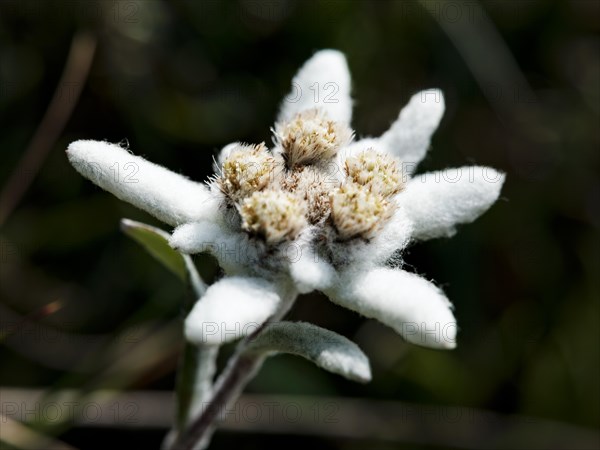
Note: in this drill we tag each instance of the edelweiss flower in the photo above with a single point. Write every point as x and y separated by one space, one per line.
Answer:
315 212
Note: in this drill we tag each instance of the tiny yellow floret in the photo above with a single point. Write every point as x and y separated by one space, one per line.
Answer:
358 212
274 215
378 172
247 169
311 138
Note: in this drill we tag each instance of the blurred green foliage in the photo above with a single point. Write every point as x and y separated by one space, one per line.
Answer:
180 79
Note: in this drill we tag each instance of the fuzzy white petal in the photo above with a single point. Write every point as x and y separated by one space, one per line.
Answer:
232 250
310 272
437 201
410 135
393 236
409 304
231 308
166 195
361 254
197 237
323 82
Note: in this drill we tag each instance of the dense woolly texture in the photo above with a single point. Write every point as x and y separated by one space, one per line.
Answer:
409 304
324 82
394 235
166 195
236 252
437 201
318 210
310 271
361 254
233 251
231 308
410 135
199 237
325 348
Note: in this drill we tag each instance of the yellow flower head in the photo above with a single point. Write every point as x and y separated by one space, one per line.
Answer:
311 137
274 215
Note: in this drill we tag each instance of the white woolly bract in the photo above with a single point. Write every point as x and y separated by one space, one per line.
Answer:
231 249
410 135
409 304
198 237
325 348
437 201
231 308
318 201
310 271
324 82
166 195
393 236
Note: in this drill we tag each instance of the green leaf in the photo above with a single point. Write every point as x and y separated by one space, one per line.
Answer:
326 349
156 242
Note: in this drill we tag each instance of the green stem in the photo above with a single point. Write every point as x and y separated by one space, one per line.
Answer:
196 370
203 383
241 368
197 365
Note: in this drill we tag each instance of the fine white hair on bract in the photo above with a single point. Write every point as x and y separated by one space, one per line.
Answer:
231 308
324 82
348 260
168 196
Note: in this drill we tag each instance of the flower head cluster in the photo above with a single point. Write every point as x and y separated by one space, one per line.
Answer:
279 197
347 207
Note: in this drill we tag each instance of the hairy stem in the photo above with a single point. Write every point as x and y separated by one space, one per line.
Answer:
197 365
241 368
239 371
206 366
194 381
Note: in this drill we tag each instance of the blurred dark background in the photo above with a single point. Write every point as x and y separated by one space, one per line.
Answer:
85 308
